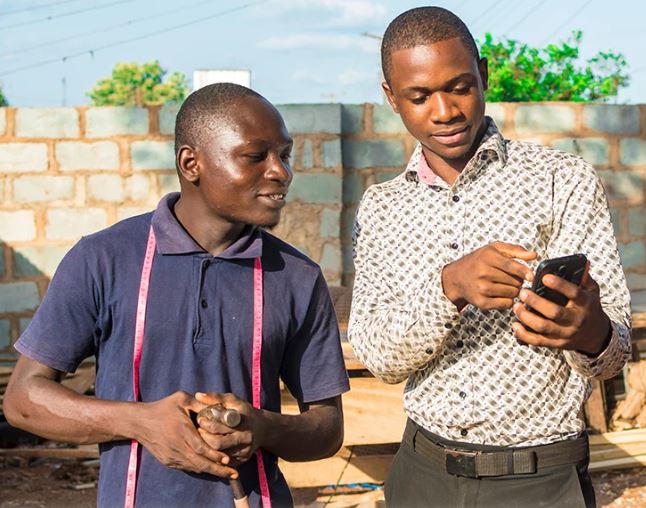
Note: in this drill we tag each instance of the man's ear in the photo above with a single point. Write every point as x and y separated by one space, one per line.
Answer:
390 96
483 67
187 164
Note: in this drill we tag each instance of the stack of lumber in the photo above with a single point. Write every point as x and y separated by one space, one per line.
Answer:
617 450
631 412
5 373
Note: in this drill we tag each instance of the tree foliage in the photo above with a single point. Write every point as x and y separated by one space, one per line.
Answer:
133 84
3 99
520 73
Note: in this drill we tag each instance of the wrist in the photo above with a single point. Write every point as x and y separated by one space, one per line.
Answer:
450 289
603 344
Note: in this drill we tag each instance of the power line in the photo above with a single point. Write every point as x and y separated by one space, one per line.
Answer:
64 14
102 30
133 39
525 16
494 14
488 10
36 7
560 27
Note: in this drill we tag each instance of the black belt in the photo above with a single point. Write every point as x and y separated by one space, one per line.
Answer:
508 461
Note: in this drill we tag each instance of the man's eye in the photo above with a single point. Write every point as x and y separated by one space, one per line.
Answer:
419 100
286 157
257 157
461 89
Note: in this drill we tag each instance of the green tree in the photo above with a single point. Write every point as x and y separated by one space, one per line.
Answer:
133 84
3 99
520 73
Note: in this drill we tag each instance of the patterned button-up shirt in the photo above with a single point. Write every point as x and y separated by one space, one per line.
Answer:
468 378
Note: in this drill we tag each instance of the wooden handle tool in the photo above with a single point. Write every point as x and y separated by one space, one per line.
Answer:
231 418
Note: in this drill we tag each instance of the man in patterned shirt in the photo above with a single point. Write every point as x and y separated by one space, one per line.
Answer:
443 256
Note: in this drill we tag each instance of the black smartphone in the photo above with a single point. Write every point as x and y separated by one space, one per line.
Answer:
571 268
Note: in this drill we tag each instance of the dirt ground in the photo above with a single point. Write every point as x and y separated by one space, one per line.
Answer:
58 483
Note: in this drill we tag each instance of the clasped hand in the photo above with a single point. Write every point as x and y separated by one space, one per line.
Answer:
492 278
166 429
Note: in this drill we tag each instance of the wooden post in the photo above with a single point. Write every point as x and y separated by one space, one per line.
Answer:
596 408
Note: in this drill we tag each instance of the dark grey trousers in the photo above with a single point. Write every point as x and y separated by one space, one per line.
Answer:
415 481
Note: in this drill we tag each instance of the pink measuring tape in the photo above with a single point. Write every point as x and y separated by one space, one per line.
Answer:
142 300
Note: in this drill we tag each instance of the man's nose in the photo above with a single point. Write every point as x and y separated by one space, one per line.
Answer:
280 170
442 108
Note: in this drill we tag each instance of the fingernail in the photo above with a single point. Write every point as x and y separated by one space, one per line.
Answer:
529 277
515 307
523 294
200 394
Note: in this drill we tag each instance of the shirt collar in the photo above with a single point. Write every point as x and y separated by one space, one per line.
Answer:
492 144
172 238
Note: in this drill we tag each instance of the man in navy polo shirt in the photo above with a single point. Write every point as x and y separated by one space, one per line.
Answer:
175 299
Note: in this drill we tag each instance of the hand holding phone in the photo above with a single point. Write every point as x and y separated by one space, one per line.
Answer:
570 268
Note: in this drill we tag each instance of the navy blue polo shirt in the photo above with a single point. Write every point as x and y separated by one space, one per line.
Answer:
198 337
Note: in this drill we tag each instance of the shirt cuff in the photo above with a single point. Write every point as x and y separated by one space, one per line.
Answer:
605 363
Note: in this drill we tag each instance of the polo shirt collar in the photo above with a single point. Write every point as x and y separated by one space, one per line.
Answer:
172 238
492 144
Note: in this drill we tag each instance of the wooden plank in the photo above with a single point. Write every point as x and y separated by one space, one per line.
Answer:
337 470
372 411
620 437
636 461
350 359
601 453
82 452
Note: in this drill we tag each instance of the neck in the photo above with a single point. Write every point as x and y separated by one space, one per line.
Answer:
214 235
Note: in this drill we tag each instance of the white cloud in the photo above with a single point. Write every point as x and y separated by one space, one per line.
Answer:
328 41
352 77
308 76
347 12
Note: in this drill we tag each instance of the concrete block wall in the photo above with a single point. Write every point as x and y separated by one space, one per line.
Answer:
611 137
66 172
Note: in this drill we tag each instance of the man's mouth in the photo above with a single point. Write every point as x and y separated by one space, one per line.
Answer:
451 137
274 200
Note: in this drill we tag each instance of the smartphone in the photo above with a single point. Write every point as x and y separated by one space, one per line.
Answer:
571 268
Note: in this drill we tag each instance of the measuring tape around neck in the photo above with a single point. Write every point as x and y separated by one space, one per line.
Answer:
131 482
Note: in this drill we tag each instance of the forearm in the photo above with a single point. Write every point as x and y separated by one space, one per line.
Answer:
314 434
395 336
53 411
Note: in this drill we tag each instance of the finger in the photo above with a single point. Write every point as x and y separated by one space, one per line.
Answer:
209 398
540 325
535 339
495 303
561 315
566 288
499 291
512 268
213 426
202 465
512 250
235 445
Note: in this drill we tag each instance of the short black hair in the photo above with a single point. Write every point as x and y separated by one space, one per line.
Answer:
195 117
422 26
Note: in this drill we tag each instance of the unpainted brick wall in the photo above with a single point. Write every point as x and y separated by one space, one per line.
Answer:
66 172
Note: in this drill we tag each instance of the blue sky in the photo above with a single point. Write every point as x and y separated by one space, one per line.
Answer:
297 50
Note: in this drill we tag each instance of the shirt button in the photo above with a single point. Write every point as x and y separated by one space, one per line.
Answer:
454 245
204 304
462 395
429 351
464 432
459 343
455 198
